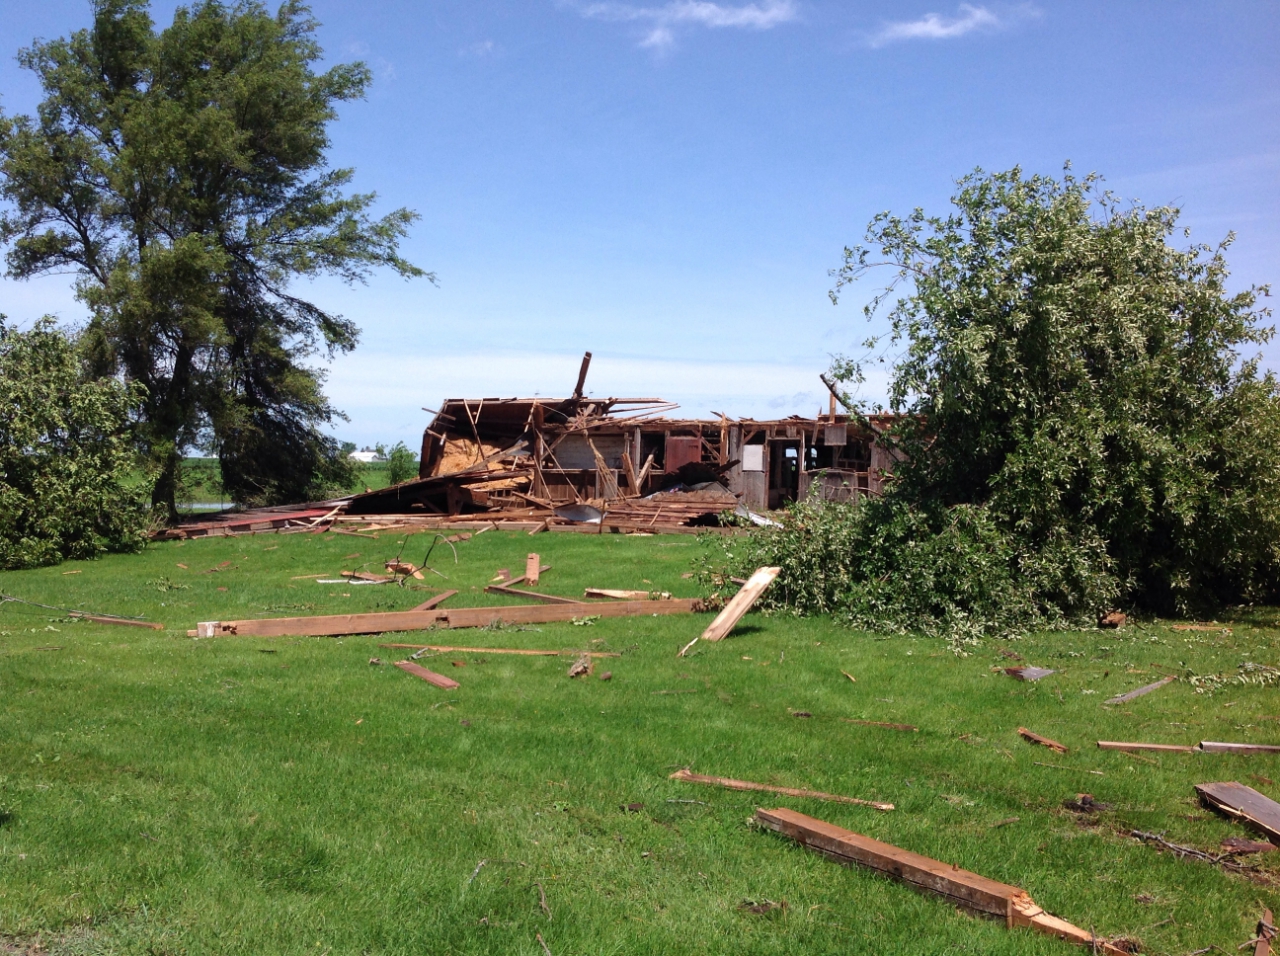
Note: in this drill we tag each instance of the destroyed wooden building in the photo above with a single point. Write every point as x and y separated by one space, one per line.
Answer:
631 459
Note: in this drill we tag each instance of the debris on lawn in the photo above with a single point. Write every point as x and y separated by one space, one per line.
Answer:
1085 803
1264 934
543 943
1244 805
1239 846
333 625
581 666
739 605
1134 694
1161 748
434 602
86 616
1113 619
631 807
1042 741
880 723
1216 747
607 675
850 676
623 595
730 784
959 887
1027 673
375 661
1212 628
404 568
762 907
532 568
431 677
446 649
1223 860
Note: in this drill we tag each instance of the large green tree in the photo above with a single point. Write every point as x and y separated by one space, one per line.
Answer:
181 175
1083 427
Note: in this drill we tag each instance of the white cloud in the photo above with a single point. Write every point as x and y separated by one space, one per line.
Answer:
934 26
483 48
660 22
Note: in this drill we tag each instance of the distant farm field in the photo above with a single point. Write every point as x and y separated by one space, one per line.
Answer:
164 795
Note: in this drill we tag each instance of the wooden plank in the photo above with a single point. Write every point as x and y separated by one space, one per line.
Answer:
1216 747
499 650
1042 741
1265 933
105 619
741 602
623 595
962 888
436 601
534 595
337 624
431 677
1134 694
1244 805
1165 748
880 723
532 567
730 784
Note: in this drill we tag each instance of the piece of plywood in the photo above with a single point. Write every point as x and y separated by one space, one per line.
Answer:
431 677
730 784
1244 805
532 568
1134 694
336 624
1159 748
436 601
740 603
962 888
1042 741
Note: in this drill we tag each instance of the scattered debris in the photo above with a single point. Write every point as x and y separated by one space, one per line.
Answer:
1264 934
737 606
434 602
542 901
1042 741
850 676
1011 655
622 595
1027 673
1223 860
447 649
1113 619
404 568
731 784
373 660
84 615
762 907
1238 846
1085 803
1164 748
431 677
880 723
607 675
354 576
1215 747
631 807
581 666
1214 628
377 623
1244 805
801 713
957 886
532 568
476 872
1134 694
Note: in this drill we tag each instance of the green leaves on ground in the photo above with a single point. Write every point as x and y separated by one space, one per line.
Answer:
67 487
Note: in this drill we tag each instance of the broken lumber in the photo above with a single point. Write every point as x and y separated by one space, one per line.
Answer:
106 619
1134 694
1166 748
1042 741
1265 932
545 598
1216 747
368 576
731 784
436 601
1244 805
960 887
1027 673
497 650
739 605
431 677
881 723
332 625
532 568
622 595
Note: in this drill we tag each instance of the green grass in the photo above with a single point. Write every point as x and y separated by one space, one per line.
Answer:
201 482
163 795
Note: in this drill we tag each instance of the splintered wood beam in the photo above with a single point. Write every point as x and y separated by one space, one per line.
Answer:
107 619
534 595
739 605
1244 805
444 648
338 624
959 887
431 677
1160 748
730 784
1216 747
436 601
532 568
1134 694
1042 741
582 376
1265 933
623 595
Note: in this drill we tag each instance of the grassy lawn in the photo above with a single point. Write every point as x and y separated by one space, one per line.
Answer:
163 795
202 490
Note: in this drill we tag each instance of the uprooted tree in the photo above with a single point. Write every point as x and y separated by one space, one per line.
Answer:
1081 430
68 473
181 175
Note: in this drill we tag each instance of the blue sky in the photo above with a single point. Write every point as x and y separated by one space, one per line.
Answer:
667 184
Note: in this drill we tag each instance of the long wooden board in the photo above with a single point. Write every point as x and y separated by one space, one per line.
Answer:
740 603
337 624
1164 748
1042 741
545 598
431 677
106 619
730 784
1134 694
1243 804
960 887
1217 747
436 601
